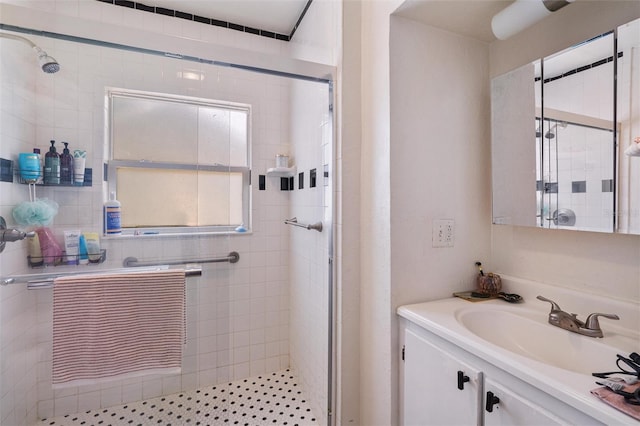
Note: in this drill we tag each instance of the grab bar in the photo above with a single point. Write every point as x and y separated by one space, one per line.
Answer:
133 262
294 221
45 280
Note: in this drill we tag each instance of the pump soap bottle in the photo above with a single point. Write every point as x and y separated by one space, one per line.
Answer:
52 166
66 166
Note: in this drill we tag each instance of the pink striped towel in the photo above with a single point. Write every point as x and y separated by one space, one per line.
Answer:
117 326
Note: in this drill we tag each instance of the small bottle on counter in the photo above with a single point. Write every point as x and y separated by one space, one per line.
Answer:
112 224
52 166
66 166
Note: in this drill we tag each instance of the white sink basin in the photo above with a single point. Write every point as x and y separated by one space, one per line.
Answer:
529 334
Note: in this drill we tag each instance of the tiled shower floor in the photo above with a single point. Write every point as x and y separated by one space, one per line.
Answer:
269 399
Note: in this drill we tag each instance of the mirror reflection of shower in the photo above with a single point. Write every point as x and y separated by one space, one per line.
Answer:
48 64
570 182
550 134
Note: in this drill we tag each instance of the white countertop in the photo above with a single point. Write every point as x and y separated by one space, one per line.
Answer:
441 318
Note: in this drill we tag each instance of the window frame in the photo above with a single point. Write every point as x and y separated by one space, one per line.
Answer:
111 165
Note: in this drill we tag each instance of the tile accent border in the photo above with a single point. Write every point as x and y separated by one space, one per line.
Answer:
210 21
6 170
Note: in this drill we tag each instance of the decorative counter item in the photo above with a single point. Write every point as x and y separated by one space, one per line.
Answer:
489 284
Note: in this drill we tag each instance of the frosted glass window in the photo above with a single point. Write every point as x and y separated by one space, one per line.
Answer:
154 130
165 198
178 162
223 136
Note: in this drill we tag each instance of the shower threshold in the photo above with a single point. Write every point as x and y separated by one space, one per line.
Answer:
268 399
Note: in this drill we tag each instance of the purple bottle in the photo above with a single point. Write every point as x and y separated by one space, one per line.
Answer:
66 166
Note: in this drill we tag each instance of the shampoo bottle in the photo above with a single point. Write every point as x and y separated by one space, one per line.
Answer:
52 166
112 216
66 166
41 177
35 253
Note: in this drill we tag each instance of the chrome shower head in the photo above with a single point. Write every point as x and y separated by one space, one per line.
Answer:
47 63
550 134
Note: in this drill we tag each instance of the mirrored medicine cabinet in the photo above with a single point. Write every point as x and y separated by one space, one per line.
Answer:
560 126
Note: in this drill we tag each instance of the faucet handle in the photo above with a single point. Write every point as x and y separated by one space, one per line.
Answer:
592 322
554 305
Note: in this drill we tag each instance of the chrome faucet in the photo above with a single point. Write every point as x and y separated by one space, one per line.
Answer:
567 321
10 235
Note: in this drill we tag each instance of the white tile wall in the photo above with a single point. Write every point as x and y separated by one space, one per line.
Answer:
18 314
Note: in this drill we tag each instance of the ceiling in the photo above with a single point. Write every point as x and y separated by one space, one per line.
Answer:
279 16
471 18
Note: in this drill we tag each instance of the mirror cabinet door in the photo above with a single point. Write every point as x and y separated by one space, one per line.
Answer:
515 97
628 117
577 137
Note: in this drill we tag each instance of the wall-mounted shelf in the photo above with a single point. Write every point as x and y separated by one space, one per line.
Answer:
64 259
282 171
88 181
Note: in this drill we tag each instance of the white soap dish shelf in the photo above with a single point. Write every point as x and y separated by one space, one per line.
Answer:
282 171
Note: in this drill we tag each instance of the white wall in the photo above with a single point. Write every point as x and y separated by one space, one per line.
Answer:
376 387
238 314
440 115
347 218
439 157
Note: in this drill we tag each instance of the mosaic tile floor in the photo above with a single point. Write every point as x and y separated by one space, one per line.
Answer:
269 399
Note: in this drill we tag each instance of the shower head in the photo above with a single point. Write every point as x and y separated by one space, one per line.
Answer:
550 134
47 63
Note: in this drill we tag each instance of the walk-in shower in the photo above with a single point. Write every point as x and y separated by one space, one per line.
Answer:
259 329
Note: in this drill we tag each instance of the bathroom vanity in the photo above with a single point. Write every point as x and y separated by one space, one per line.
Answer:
495 363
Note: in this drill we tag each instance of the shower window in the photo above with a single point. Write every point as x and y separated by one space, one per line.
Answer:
179 163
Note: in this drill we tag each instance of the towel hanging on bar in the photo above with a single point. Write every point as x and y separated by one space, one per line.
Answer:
110 327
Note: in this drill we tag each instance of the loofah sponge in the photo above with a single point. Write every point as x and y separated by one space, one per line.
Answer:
35 213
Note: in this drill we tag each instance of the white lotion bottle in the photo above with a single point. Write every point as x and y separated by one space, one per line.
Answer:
112 210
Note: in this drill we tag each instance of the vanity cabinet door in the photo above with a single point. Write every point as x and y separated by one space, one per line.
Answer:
438 388
511 409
